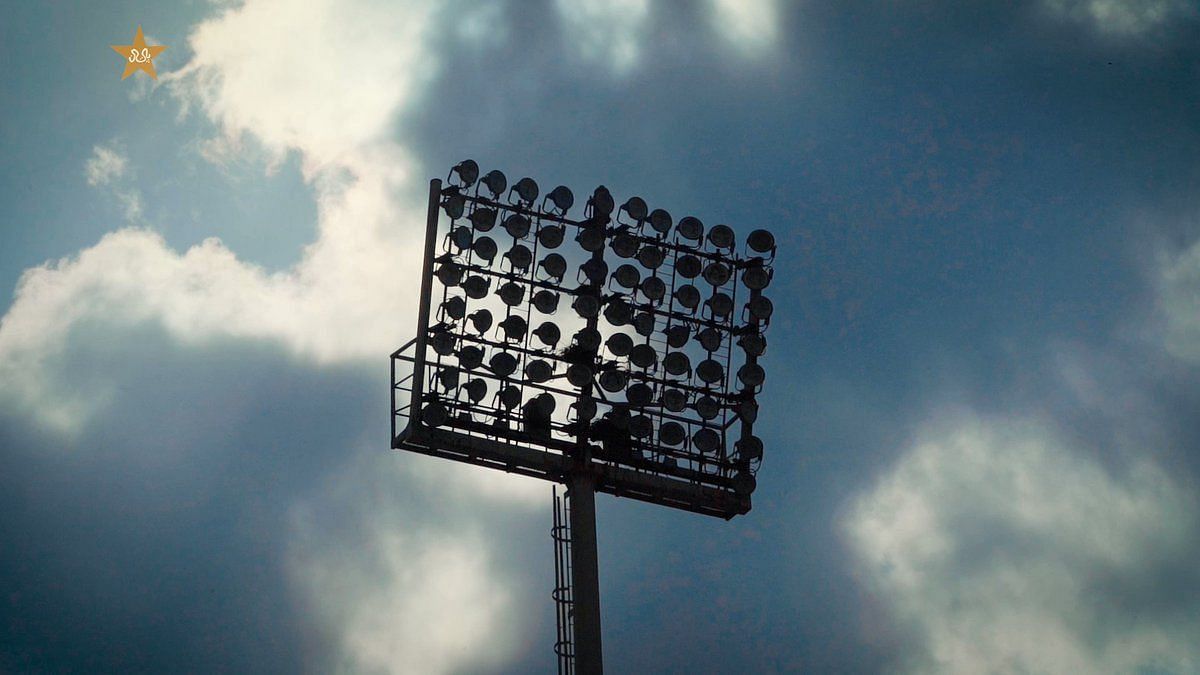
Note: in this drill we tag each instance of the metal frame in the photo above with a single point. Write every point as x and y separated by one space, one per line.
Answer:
564 450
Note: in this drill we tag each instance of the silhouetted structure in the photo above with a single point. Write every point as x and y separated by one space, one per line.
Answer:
651 407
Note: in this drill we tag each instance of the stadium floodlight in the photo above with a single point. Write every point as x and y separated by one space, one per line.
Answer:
638 391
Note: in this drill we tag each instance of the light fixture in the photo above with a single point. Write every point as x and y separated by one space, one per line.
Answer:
510 397
585 409
627 276
578 374
644 323
710 339
455 204
483 219
467 171
674 400
707 407
545 301
636 208
470 357
454 307
516 225
677 335
660 221
481 320
555 266
519 257
687 296
643 356
495 182
720 304
548 333
761 241
754 344
619 344
511 293
476 287
434 413
641 426
449 273
443 343
671 433
551 236
625 245
688 266
485 248
751 375
476 389
562 198
756 277
527 190
654 288
706 440
448 377
502 364
601 202
750 448
677 363
613 381
595 269
538 371
514 327
690 228
760 308
618 312
710 371
590 238
639 394
461 237
588 339
651 257
721 236
716 273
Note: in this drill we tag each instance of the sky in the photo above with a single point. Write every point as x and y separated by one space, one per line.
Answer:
980 415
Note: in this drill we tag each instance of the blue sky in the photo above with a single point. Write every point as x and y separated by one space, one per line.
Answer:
980 416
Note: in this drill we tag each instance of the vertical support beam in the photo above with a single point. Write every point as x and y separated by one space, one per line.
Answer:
581 484
431 227
585 573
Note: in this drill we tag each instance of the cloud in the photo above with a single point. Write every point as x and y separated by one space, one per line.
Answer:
106 164
1179 299
327 82
750 26
999 548
1122 18
606 32
403 596
108 168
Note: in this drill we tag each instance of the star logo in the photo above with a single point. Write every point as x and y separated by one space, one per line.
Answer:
139 55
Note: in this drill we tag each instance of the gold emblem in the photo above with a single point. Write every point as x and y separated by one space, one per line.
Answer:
139 55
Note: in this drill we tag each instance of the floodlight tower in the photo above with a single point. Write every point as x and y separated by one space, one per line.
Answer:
655 415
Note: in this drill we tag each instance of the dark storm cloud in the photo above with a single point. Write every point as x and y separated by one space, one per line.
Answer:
956 190
163 537
154 540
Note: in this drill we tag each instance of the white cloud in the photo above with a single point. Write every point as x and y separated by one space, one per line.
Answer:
108 168
750 26
1001 550
608 32
106 164
1122 17
1179 298
325 80
403 598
